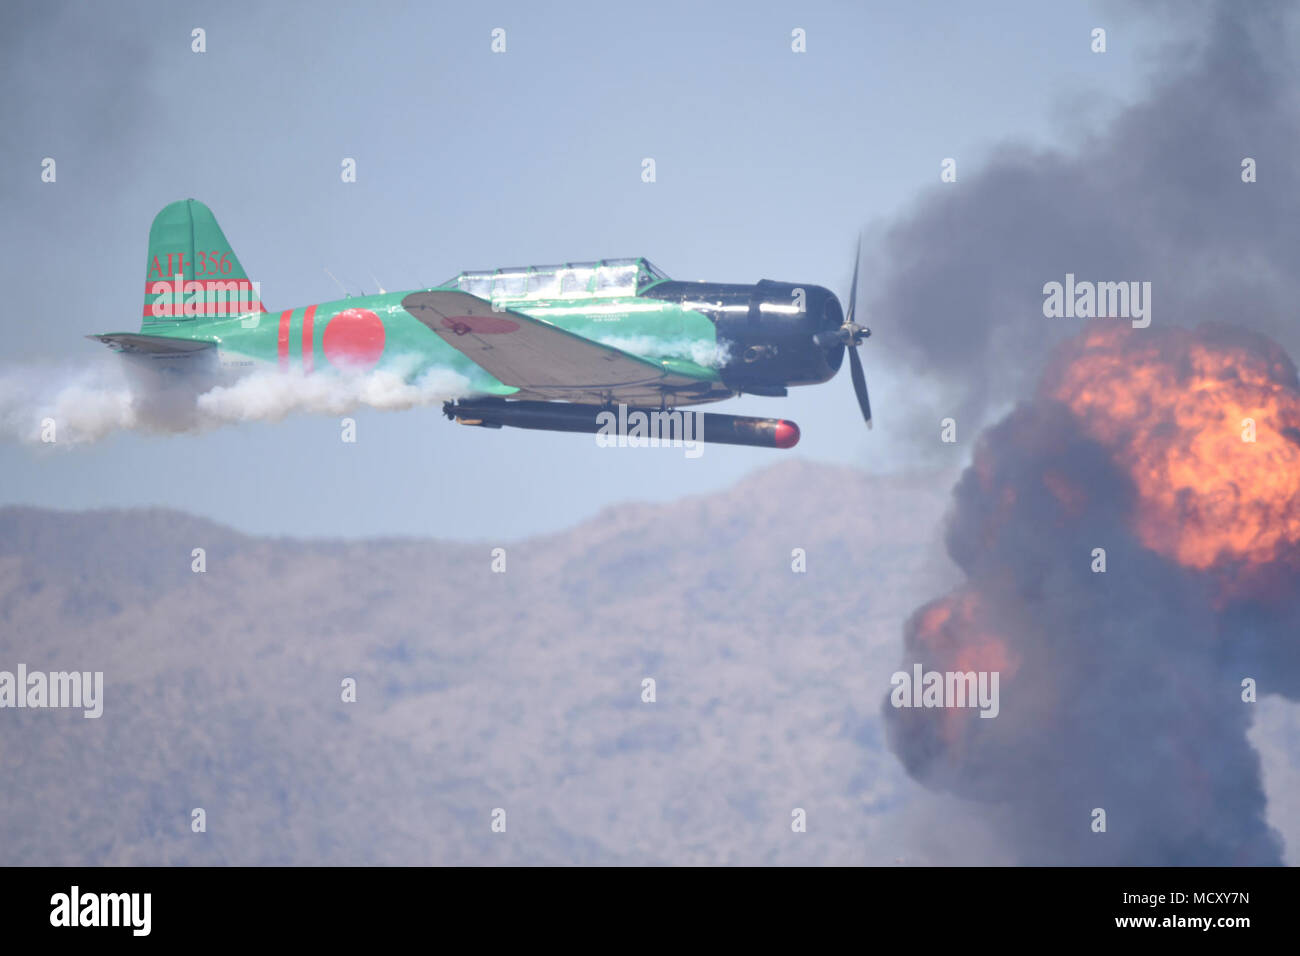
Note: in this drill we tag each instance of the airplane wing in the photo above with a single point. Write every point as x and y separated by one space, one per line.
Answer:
541 359
152 346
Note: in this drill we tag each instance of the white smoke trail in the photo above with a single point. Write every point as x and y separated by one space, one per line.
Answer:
75 405
70 404
271 395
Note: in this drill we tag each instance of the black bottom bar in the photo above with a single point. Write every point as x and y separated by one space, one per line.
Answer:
920 907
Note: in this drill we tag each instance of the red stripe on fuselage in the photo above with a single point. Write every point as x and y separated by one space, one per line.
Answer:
282 342
308 352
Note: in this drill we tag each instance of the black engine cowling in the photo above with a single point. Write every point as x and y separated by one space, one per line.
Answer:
767 329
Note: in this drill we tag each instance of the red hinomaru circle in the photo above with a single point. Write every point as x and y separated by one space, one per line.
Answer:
354 340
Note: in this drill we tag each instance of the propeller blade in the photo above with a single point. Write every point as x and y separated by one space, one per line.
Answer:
853 290
860 384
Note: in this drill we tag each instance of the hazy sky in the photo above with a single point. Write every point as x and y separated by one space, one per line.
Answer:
768 164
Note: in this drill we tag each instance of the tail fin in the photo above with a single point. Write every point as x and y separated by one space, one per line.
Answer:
192 272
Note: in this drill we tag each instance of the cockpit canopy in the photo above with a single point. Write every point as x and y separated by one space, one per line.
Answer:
605 278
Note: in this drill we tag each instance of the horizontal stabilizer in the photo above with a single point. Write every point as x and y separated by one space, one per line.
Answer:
155 346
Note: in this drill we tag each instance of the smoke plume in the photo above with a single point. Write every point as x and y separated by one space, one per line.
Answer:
956 287
1177 454
90 402
1130 535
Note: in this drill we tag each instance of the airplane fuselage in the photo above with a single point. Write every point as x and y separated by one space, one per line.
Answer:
550 347
729 338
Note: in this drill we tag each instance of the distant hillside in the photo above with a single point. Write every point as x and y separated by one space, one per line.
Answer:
477 690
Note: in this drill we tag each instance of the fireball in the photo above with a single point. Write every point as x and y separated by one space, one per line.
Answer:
1207 424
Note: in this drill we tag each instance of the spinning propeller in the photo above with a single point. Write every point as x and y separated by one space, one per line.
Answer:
851 335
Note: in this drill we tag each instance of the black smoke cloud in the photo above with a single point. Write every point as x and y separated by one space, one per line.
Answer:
1120 690
1155 196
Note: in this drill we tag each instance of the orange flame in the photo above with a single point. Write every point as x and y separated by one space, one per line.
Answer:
952 634
1208 429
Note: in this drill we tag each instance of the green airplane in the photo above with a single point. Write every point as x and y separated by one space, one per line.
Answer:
542 347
